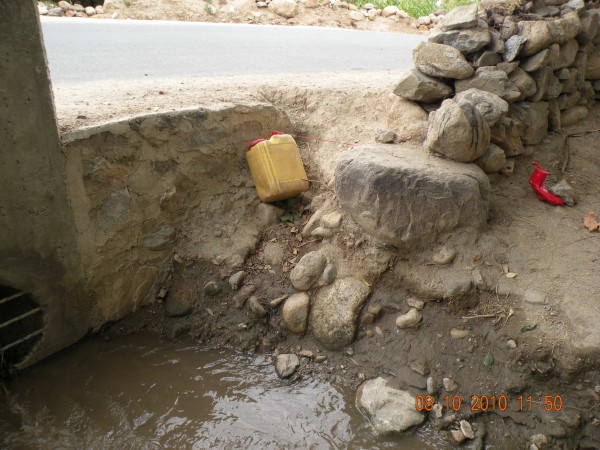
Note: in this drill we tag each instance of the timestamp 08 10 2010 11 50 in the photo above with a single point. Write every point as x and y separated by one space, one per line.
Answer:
484 403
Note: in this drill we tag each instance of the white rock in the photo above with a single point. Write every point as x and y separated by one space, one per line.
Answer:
332 220
409 320
466 429
90 11
449 384
424 20
390 10
388 410
458 436
42 10
356 16
457 333
511 344
416 303
444 256
99 9
284 8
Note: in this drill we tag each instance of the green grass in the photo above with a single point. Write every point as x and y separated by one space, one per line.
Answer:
416 8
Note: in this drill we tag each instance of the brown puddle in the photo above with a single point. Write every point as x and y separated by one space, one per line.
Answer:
138 392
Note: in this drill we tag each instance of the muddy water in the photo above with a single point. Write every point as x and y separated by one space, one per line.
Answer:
140 393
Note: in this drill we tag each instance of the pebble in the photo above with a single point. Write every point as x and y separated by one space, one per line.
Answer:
256 307
212 288
321 232
332 220
458 436
286 365
449 384
511 344
416 303
409 320
178 306
431 386
90 11
534 297
445 256
466 429
438 411
374 309
329 274
320 358
420 366
240 298
307 354
458 333
350 351
539 440
277 301
237 279
385 136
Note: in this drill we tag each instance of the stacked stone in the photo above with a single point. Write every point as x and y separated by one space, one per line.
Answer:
67 9
505 88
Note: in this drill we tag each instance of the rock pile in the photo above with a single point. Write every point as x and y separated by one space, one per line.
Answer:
67 9
505 81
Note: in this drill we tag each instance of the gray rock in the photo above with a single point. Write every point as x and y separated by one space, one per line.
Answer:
449 384
511 344
286 365
416 303
244 293
535 297
466 429
445 256
537 36
409 320
489 105
388 410
332 220
509 29
565 28
554 89
356 16
567 101
514 45
284 8
524 82
308 271
564 190
573 81
420 366
455 286
295 312
460 18
554 123
335 311
65 6
160 239
417 86
329 275
488 59
574 5
465 41
458 436
493 160
496 43
491 80
375 184
536 62
56 12
237 279
443 61
457 131
508 139
542 81
589 27
322 233
385 136
90 10
459 333
592 70
178 306
78 7
536 127
573 115
566 55
212 288
256 307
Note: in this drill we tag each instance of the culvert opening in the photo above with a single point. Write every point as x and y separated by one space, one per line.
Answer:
21 327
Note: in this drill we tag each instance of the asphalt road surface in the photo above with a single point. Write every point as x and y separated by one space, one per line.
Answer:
81 50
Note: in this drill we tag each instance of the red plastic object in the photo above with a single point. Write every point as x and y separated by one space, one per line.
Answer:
537 184
254 142
273 133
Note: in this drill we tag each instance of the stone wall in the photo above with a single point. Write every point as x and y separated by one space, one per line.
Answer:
140 185
505 75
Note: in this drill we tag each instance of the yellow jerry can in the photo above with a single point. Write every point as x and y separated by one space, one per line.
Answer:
276 167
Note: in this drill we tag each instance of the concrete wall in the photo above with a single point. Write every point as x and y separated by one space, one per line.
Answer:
143 187
38 245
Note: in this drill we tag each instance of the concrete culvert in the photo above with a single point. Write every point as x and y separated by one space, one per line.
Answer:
21 327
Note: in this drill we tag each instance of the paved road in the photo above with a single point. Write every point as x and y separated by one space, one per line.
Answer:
88 50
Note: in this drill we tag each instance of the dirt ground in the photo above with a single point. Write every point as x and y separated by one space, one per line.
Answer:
557 341
246 11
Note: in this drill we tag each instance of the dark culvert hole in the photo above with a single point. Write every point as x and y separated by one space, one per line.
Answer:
21 327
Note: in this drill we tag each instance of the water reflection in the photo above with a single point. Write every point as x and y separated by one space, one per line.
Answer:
139 393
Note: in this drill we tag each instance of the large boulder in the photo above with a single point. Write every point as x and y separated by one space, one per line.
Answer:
489 105
460 18
465 41
417 86
388 410
492 80
284 8
458 131
403 196
335 311
443 61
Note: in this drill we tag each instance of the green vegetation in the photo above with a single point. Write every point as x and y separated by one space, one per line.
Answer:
416 8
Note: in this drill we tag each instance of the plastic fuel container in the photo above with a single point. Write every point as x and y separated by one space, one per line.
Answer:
276 167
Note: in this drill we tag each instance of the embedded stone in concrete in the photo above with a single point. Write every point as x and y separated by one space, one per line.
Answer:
458 131
388 410
460 18
404 197
465 41
489 105
493 160
414 85
335 311
438 60
492 80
